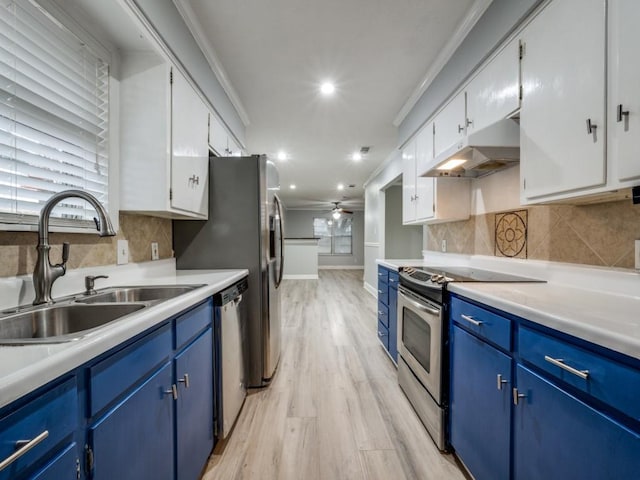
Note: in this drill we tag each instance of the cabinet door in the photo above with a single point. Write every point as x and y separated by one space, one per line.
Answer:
425 187
480 406
424 149
495 92
134 441
194 408
65 466
217 136
624 76
450 124
189 149
556 436
233 148
409 182
563 80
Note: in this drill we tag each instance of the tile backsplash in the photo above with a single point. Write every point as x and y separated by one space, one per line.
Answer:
602 234
18 249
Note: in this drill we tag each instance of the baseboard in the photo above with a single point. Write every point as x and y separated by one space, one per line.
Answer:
373 291
340 267
300 277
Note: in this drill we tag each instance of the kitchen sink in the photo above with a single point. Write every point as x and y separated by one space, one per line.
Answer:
60 323
137 294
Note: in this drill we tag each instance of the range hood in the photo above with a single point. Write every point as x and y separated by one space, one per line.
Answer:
480 153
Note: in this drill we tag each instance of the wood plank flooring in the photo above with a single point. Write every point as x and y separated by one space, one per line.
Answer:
334 410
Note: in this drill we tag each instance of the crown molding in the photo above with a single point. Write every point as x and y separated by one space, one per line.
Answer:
195 27
465 26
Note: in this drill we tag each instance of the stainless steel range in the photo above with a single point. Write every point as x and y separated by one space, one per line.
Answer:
423 362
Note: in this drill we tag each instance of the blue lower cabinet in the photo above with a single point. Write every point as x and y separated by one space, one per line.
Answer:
134 440
387 310
194 407
480 411
393 321
64 466
559 437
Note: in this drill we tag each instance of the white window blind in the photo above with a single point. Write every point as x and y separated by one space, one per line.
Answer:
54 109
334 235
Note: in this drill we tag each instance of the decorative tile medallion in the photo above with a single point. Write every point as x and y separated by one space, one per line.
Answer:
511 234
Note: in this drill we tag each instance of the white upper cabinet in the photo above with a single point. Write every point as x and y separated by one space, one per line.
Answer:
426 199
220 141
562 119
450 124
494 92
624 85
164 155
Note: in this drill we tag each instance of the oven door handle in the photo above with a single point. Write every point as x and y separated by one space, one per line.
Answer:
419 306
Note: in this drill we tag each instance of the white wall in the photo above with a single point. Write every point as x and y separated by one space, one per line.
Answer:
400 241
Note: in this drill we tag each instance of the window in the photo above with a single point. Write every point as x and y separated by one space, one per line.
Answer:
54 110
334 235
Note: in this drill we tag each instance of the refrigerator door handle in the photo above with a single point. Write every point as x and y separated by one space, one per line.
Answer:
281 228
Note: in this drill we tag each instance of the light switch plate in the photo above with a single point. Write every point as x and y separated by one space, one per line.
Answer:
637 256
154 251
122 254
444 245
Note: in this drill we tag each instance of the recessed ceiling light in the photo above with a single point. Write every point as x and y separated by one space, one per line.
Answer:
357 156
292 186
340 186
327 88
282 155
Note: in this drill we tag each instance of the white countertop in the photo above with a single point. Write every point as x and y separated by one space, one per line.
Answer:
592 303
25 368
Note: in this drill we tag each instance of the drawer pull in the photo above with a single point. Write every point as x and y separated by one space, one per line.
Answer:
471 320
558 362
500 381
24 447
517 396
185 380
380 334
173 391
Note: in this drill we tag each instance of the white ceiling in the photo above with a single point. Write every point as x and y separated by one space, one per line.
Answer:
276 53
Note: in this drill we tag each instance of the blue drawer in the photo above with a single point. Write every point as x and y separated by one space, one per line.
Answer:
383 293
383 274
483 323
393 279
116 374
191 323
383 314
383 335
614 383
55 412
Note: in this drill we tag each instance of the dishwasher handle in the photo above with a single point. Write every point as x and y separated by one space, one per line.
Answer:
237 300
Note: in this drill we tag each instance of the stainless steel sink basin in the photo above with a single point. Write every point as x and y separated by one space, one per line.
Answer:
137 294
60 323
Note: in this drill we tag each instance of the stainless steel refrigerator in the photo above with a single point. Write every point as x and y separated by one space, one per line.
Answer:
244 230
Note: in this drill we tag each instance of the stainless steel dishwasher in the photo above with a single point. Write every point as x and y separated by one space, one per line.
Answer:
230 355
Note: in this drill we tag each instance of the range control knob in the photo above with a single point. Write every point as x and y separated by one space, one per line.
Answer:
434 277
441 279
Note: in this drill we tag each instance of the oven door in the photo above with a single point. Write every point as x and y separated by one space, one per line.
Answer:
420 334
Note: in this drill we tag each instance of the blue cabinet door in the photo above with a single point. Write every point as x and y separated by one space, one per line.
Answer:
559 437
134 440
480 412
393 323
194 408
65 466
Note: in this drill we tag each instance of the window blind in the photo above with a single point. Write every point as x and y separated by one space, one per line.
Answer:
54 109
334 235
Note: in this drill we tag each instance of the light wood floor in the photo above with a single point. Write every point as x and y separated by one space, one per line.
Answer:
334 410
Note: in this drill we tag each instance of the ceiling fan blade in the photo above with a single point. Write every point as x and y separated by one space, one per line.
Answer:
342 210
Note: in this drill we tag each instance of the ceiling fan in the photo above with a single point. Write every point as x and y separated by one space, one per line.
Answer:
336 211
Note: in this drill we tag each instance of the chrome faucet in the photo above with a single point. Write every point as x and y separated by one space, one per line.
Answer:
44 273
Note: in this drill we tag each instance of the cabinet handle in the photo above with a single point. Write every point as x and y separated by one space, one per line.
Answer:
380 313
185 380
379 291
471 320
591 127
621 113
469 122
380 334
24 447
558 362
173 391
460 128
500 381
517 396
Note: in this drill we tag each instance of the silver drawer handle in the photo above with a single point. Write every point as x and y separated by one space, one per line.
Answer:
558 362
517 396
471 320
380 334
173 391
185 380
25 446
500 381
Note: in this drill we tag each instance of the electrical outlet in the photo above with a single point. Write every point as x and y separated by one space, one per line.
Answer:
637 244
122 253
444 246
154 251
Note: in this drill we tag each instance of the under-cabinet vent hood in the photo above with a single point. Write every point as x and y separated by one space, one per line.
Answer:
480 153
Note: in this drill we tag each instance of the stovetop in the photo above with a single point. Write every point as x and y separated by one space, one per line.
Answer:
431 281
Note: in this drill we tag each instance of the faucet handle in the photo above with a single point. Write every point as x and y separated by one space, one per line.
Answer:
65 252
89 282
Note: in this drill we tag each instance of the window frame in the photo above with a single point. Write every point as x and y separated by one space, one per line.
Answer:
29 223
332 236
